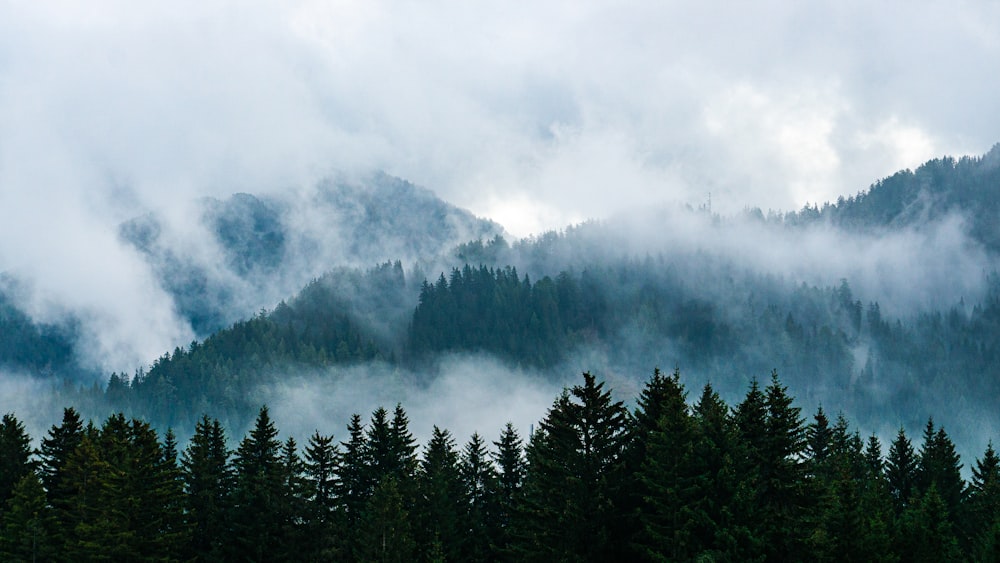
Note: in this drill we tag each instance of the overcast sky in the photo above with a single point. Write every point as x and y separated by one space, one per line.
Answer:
536 114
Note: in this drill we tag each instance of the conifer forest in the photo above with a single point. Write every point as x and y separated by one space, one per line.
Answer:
679 478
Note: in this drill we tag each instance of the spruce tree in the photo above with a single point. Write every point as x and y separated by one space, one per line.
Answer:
666 479
479 490
574 479
511 468
322 516
353 485
208 483
29 524
784 497
15 456
939 464
901 471
982 516
384 531
440 506
255 513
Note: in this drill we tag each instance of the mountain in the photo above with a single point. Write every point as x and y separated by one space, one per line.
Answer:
257 250
966 187
885 305
228 259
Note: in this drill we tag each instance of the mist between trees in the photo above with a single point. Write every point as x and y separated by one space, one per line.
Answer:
676 478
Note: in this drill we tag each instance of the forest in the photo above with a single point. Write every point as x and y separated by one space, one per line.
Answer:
676 479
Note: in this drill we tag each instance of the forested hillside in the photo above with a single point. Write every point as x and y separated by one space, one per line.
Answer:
914 329
966 186
679 478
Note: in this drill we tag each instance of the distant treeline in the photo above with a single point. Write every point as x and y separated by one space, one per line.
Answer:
824 341
673 480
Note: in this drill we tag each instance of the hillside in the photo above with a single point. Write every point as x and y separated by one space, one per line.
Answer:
890 316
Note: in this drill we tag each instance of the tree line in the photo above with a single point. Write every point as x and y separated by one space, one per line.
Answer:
670 480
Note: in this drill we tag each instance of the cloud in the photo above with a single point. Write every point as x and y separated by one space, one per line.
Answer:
466 394
540 114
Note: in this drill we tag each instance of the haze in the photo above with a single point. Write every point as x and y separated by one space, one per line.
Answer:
536 115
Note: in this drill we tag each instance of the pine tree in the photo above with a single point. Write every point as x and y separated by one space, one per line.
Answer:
321 470
901 471
291 503
666 478
511 468
939 465
55 451
29 524
575 464
208 483
440 508
353 485
384 533
257 531
783 499
713 528
175 532
479 490
746 534
15 456
926 532
982 517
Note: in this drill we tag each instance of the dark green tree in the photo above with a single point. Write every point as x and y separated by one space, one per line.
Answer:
511 468
939 464
926 533
384 531
257 531
982 515
208 484
479 507
29 524
901 471
441 503
575 462
15 456
322 514
666 478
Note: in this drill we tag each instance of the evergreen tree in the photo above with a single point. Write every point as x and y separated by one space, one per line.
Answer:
575 464
353 484
384 533
783 498
712 495
479 489
746 534
175 531
901 471
321 469
208 483
54 452
15 456
291 504
441 503
511 468
666 478
29 524
982 517
939 465
926 532
257 527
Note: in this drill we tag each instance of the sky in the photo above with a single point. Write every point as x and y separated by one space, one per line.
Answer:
535 114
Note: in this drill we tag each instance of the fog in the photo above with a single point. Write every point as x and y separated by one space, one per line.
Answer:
535 115
465 394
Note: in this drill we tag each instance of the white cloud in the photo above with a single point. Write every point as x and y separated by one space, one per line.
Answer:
537 113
